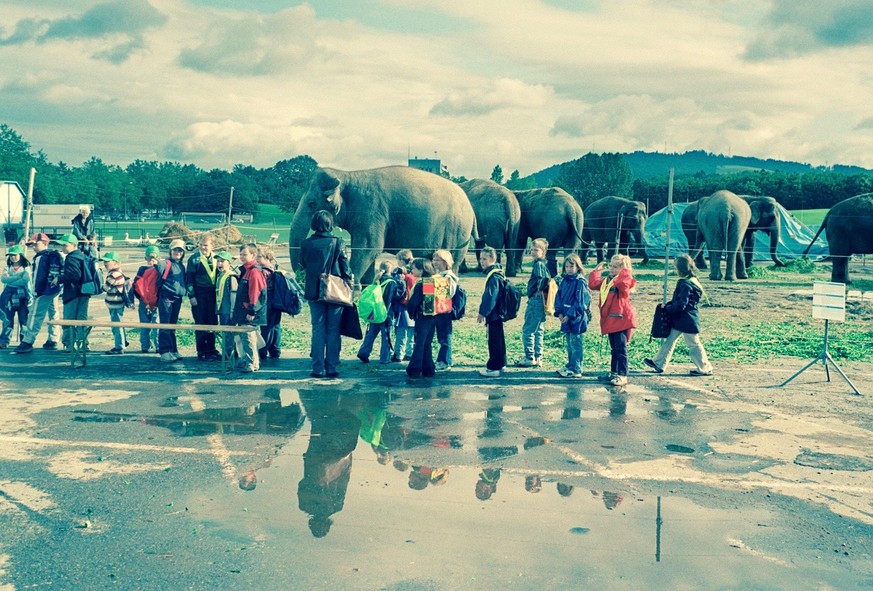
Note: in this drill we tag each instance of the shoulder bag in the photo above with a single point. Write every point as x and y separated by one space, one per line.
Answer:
333 288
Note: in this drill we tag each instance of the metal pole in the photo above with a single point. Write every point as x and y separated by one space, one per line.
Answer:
29 204
669 225
230 207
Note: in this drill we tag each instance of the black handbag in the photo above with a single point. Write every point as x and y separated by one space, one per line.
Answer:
661 324
350 324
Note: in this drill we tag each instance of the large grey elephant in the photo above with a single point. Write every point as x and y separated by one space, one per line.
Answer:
722 219
497 218
553 214
849 227
765 218
388 208
618 222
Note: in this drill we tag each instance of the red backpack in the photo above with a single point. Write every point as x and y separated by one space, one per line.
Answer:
146 285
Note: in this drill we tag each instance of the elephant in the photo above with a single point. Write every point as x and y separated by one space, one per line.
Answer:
615 219
549 213
497 218
389 208
765 218
849 226
722 219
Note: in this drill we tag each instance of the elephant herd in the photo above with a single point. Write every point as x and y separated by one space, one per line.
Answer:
398 207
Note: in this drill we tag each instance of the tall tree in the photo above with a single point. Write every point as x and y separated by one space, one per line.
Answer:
594 176
497 175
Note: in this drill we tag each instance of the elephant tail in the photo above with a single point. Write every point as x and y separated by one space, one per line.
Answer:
474 237
824 223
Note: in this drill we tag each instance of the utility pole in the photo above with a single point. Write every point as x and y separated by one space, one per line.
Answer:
29 204
230 207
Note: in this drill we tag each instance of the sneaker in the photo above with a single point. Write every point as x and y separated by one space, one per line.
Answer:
363 358
4 346
618 381
247 369
651 363
315 374
489 373
176 355
332 374
24 348
407 358
115 351
605 377
566 373
168 357
145 350
697 372
50 345
395 360
526 362
442 366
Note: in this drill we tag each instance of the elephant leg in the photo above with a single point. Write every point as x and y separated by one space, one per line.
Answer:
362 261
730 264
599 247
840 268
741 273
715 265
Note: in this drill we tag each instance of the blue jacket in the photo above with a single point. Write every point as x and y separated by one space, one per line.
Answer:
488 306
174 285
683 307
48 265
572 301
72 275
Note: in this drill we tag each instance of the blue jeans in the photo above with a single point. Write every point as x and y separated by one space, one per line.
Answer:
115 315
574 352
326 338
9 321
374 329
534 327
271 332
618 346
147 337
168 313
75 309
404 338
444 338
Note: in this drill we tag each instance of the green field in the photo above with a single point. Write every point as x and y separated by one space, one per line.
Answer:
810 217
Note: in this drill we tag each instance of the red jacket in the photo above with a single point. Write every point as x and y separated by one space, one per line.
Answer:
616 311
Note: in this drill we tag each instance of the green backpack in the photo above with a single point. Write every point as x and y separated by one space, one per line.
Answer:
371 306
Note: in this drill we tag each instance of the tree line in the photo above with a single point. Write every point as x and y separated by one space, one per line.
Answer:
171 186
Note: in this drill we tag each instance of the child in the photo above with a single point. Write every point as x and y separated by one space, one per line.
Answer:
148 338
200 274
225 297
443 263
404 334
113 285
250 307
488 313
421 364
170 293
571 308
16 295
684 320
617 314
393 291
535 313
271 332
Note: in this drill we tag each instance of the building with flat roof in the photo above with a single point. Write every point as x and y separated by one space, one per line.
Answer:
426 164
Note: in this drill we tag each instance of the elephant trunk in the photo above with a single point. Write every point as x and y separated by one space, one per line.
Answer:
775 233
299 229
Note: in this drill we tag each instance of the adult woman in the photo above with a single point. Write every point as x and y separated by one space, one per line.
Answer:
321 253
684 320
83 229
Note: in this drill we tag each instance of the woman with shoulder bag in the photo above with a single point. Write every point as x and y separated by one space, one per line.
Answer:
684 321
322 253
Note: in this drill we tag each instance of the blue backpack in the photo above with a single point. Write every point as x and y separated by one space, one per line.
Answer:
287 294
459 303
92 277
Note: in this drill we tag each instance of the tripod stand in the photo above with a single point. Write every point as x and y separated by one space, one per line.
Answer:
825 358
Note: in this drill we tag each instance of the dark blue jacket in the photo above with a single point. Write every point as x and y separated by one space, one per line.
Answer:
572 301
488 305
683 307
71 276
174 286
48 264
322 253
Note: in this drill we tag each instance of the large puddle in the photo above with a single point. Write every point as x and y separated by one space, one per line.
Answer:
488 488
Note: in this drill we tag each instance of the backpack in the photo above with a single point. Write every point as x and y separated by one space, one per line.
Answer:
92 277
371 305
509 298
459 303
146 286
550 294
286 294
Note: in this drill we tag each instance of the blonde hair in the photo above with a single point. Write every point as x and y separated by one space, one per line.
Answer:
623 260
541 243
446 256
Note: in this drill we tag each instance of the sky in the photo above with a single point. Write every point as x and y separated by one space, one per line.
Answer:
520 83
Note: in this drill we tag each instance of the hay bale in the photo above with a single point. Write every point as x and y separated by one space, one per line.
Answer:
223 236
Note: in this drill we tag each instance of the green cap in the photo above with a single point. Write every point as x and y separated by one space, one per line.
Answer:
224 256
111 256
152 251
15 250
67 239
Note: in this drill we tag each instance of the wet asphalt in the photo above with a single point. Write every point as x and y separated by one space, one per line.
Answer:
138 475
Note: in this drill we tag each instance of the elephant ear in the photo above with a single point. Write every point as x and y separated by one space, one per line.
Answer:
755 206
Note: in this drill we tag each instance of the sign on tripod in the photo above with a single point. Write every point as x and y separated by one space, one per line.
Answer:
829 301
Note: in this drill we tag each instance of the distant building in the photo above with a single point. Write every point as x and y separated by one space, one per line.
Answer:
426 164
